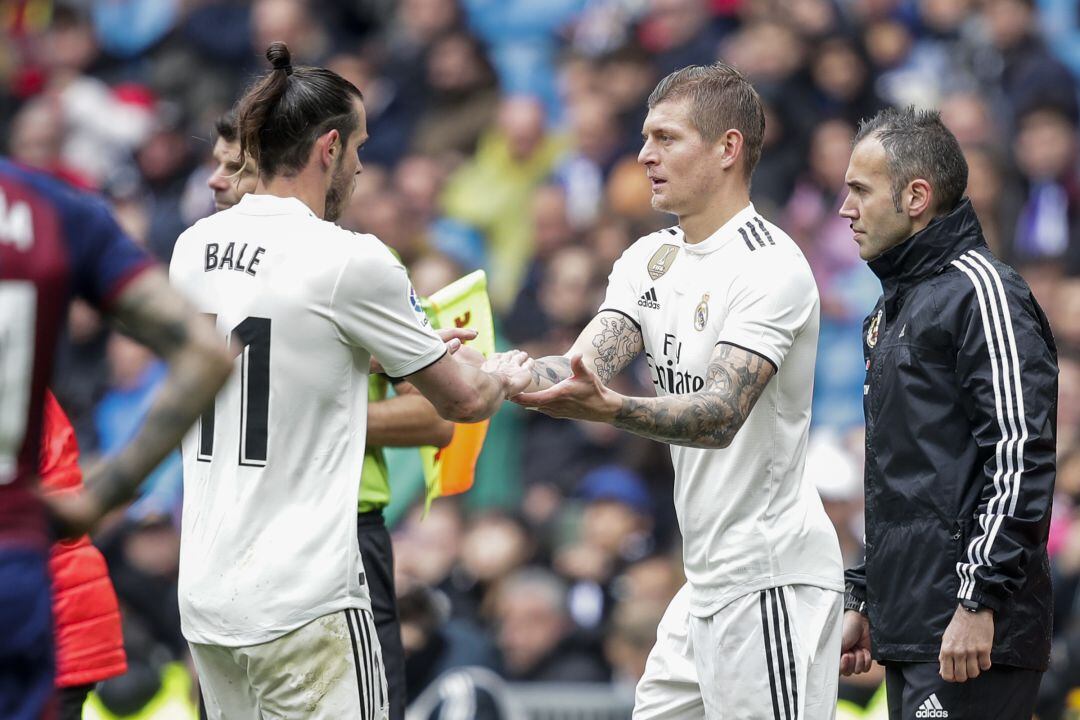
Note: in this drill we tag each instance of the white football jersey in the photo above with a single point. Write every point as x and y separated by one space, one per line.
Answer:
272 471
748 518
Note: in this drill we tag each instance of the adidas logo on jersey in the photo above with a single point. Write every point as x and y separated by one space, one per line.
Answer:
931 708
649 300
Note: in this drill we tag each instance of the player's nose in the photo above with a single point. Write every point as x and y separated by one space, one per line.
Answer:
848 210
647 155
217 182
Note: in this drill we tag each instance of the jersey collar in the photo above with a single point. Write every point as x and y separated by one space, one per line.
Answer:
723 235
252 204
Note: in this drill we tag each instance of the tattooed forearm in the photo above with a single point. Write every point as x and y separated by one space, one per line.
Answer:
617 343
548 371
707 419
612 337
153 318
181 398
199 364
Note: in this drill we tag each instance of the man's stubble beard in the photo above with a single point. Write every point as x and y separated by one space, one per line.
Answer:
338 194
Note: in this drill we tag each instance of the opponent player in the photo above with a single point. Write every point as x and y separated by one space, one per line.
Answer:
272 592
56 242
725 307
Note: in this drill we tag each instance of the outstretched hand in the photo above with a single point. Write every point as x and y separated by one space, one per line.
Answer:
513 367
581 396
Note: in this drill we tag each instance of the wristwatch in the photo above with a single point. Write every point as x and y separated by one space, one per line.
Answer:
853 603
972 606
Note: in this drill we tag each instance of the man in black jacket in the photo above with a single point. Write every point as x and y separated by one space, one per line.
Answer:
961 403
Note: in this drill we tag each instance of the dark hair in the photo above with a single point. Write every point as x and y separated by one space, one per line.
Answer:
287 109
721 98
225 126
918 145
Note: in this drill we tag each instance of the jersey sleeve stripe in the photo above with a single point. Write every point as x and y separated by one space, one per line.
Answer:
761 355
636 323
397 380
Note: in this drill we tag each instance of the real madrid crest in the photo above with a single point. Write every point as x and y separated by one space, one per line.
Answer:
875 328
701 313
661 260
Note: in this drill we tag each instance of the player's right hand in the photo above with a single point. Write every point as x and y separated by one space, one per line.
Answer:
514 368
855 644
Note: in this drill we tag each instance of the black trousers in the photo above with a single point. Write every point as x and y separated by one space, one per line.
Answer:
915 691
72 700
378 556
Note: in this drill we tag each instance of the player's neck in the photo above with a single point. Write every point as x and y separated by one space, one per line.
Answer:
726 205
308 190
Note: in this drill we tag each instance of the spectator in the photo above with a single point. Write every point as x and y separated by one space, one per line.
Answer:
630 638
1047 224
535 632
492 191
437 646
615 530
846 287
552 231
986 190
1026 73
967 115
585 169
461 100
679 33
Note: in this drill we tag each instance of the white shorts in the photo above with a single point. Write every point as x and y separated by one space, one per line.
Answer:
329 669
769 655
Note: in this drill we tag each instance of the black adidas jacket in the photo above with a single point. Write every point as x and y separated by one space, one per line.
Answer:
960 403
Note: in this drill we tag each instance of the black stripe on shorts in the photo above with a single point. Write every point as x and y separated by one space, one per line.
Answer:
356 660
769 655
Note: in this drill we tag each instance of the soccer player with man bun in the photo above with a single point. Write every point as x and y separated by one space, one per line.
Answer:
273 596
404 419
726 310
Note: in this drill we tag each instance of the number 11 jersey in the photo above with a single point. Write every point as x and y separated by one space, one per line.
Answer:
272 471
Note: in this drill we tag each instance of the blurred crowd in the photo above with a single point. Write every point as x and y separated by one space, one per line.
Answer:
504 136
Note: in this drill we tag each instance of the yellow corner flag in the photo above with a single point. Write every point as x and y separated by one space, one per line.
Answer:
462 303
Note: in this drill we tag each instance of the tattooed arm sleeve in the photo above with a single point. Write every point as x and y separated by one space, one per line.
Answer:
709 418
152 312
609 342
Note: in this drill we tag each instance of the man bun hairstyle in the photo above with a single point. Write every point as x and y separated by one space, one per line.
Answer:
286 109
721 99
279 56
918 145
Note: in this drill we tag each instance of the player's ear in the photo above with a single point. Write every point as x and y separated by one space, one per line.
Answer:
918 197
729 146
329 146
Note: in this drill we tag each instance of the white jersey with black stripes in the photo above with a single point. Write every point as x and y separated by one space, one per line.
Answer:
749 519
272 471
